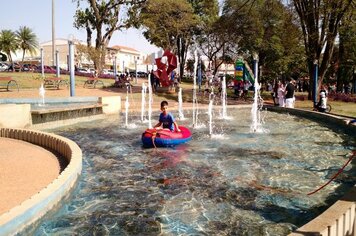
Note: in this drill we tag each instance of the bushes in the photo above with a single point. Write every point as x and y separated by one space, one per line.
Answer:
343 97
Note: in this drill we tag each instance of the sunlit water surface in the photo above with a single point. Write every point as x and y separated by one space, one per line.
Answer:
233 182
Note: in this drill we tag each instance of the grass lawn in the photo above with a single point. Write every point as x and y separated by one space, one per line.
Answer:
31 80
339 108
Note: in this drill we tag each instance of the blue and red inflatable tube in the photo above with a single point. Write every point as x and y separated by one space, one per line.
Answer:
165 138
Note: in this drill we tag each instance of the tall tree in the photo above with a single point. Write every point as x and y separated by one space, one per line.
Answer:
8 43
320 21
27 40
168 24
347 49
266 27
102 17
212 38
174 24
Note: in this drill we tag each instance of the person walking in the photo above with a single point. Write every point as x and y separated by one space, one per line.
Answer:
290 94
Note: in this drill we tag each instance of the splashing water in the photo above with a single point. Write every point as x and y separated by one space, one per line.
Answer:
180 105
253 184
143 102
256 126
195 100
42 94
127 105
210 113
224 99
150 101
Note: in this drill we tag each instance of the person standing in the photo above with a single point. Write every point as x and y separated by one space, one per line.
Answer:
281 94
153 81
323 98
290 94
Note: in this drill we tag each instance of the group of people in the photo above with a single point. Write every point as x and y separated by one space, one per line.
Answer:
284 94
123 80
241 88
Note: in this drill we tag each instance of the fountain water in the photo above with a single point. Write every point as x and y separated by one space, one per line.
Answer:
223 98
127 105
195 100
143 102
210 112
150 101
256 182
180 105
42 94
256 125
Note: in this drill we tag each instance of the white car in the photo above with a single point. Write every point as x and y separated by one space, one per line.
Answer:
3 66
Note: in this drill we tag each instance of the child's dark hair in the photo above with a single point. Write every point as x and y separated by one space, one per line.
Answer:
164 103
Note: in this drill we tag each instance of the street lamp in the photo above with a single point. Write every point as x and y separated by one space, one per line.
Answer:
42 65
315 85
57 64
71 66
114 67
53 35
136 58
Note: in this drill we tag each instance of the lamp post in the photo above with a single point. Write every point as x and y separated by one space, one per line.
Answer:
42 65
71 67
53 35
57 64
115 69
136 70
315 84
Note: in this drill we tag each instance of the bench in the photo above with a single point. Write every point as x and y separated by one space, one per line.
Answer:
54 82
7 82
92 81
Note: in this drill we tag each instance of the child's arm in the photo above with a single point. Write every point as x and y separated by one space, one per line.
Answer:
157 125
176 127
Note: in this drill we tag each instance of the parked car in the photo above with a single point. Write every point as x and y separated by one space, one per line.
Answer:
141 74
14 67
28 67
46 69
3 66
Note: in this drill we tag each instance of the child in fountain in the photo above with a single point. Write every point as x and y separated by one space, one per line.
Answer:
166 119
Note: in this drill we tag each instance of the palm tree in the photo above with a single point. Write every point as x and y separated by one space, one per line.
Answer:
27 41
8 43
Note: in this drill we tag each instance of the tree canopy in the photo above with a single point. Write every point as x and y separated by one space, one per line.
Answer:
267 28
320 21
174 24
8 43
27 40
102 17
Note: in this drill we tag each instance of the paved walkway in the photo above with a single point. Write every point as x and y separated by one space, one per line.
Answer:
25 169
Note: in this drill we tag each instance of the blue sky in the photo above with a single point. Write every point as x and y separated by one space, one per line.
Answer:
37 15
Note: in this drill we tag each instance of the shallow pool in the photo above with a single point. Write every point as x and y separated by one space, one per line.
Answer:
233 183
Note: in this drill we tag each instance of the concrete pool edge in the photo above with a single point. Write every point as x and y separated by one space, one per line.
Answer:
32 209
339 218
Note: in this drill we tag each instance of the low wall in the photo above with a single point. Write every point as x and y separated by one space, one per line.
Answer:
31 210
111 105
339 219
13 115
17 113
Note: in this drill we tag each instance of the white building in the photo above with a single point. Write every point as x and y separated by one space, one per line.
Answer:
126 58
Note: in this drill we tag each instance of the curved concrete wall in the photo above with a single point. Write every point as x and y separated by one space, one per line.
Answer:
339 219
31 210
